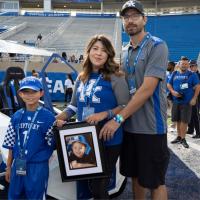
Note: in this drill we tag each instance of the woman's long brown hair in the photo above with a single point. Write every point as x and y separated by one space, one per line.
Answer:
110 67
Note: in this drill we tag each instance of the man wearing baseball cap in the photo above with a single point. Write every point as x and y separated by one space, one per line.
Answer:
145 154
132 4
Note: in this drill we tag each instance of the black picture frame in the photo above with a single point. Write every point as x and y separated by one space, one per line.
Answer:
72 140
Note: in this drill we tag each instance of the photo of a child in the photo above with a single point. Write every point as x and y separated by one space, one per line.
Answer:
80 151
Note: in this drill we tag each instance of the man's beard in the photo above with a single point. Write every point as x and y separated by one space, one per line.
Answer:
183 69
134 32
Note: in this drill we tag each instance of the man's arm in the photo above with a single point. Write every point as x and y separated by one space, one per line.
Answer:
196 94
137 101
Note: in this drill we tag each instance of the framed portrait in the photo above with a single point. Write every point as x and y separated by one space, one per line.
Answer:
80 152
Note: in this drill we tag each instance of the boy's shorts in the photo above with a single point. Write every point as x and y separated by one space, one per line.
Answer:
31 186
146 158
181 113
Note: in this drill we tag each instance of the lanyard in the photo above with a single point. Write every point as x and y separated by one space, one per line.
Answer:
23 146
131 69
88 99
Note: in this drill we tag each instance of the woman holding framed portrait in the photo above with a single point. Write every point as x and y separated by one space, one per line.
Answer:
100 93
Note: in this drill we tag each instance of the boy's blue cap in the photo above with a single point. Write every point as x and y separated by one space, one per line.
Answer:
32 83
80 139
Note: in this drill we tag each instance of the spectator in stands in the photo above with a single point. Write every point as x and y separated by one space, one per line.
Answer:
144 154
184 86
39 37
64 56
73 59
194 122
68 88
34 73
38 42
100 93
80 58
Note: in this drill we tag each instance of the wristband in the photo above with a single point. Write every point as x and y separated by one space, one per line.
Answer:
119 119
110 114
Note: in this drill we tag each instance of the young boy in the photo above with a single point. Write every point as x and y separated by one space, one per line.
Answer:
30 142
80 153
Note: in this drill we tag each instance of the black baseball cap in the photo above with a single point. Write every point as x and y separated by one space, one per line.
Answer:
132 4
193 62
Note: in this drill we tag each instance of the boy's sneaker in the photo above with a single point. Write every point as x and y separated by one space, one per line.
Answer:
184 143
176 140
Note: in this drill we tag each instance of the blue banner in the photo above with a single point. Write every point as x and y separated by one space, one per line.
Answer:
91 15
9 14
46 14
84 1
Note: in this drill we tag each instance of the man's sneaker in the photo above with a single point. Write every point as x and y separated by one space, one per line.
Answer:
184 143
196 136
176 140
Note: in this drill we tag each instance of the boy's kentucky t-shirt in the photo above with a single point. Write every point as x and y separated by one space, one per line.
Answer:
40 143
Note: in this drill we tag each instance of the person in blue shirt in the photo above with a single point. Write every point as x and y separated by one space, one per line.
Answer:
30 142
100 93
184 86
194 122
170 70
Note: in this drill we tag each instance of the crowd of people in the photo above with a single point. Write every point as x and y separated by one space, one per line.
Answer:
130 104
72 58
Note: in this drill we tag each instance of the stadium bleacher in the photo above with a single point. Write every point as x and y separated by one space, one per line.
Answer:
35 25
181 32
72 36
77 34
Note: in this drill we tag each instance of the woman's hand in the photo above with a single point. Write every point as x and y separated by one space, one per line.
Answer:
60 123
96 117
108 130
